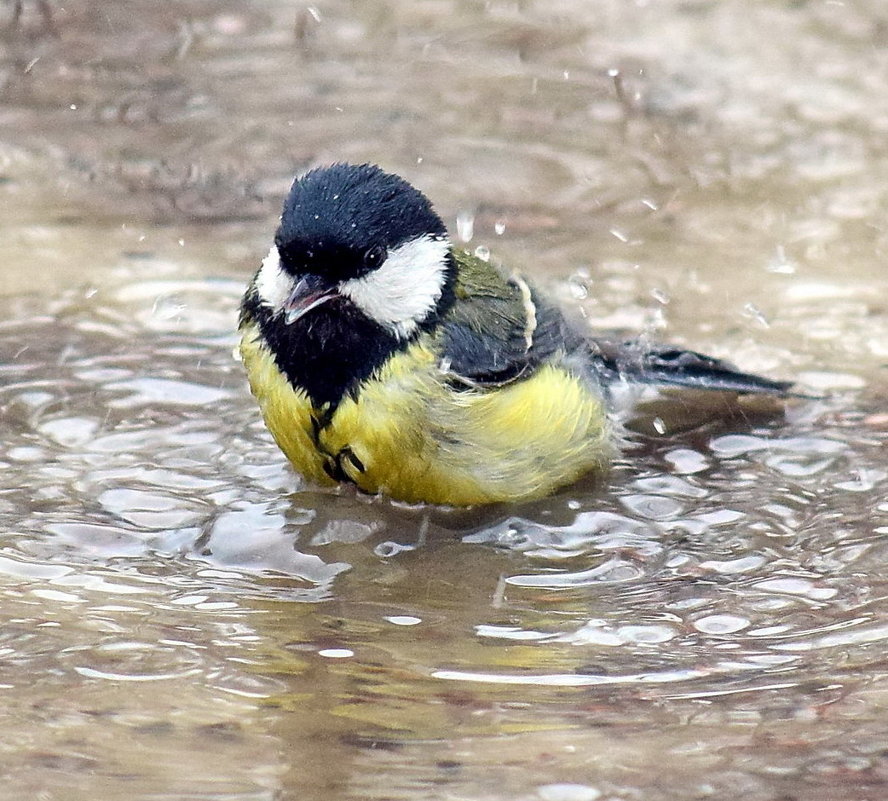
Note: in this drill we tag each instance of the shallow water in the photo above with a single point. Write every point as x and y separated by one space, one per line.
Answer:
182 619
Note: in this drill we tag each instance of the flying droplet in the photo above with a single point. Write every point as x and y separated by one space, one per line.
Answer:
780 263
755 313
483 252
578 286
465 226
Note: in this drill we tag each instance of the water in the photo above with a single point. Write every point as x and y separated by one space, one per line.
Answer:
182 619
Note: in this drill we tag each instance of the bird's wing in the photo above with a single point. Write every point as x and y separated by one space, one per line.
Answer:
645 363
499 329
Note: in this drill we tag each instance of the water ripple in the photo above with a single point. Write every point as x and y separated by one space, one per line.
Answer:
717 566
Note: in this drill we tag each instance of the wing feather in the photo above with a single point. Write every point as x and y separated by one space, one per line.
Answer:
500 329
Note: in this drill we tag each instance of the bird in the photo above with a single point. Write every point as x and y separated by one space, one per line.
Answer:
384 356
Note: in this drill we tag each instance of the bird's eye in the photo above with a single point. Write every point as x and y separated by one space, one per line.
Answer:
374 256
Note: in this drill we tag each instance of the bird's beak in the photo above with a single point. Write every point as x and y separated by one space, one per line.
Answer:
310 291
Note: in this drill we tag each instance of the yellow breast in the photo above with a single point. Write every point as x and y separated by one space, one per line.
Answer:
287 412
410 435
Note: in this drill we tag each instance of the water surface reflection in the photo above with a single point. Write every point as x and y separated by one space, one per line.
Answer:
726 578
182 619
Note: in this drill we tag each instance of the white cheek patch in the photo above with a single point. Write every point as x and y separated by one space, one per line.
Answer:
273 285
408 285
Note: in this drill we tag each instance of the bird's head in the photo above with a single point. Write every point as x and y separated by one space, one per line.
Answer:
360 236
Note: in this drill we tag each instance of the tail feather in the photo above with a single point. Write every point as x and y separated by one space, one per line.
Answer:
662 364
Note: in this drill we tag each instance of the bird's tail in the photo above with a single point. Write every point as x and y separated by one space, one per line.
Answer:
637 362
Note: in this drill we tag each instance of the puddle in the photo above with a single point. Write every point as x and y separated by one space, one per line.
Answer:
183 618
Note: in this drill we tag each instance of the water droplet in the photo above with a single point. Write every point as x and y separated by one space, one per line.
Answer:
483 252
755 313
465 226
499 227
780 264
661 296
578 286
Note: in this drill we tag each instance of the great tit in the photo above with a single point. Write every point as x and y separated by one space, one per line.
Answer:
384 356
